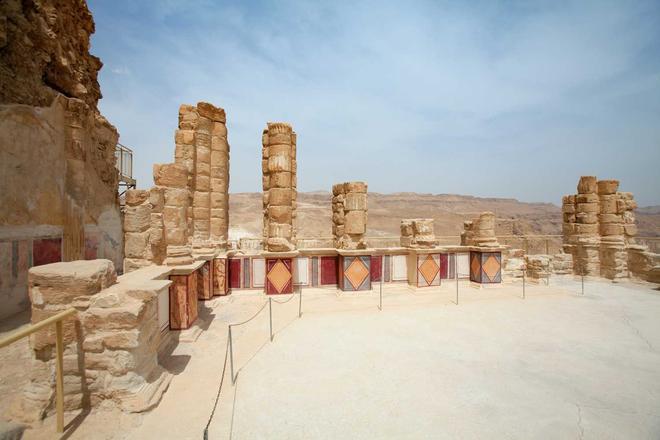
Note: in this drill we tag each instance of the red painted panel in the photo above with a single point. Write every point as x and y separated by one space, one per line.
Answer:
91 247
376 267
204 287
328 270
46 251
220 276
444 259
270 287
234 273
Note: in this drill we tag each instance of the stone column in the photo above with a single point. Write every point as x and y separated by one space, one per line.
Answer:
587 208
174 179
613 255
480 231
569 227
137 222
349 215
219 203
418 233
279 199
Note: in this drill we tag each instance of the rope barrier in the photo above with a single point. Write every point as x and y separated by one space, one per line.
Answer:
284 302
217 396
253 316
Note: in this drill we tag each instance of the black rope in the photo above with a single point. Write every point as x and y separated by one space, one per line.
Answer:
284 302
217 396
253 316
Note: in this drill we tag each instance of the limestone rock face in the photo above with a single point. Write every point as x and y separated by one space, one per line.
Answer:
418 233
46 44
480 231
279 178
349 215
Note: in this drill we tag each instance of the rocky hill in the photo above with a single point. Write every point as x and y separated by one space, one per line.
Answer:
448 210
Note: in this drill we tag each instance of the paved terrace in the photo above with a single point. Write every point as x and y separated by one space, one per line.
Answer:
555 365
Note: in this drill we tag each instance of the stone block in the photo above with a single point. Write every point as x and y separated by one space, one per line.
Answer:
280 230
587 229
355 222
157 198
279 163
137 218
61 283
46 337
280 180
586 198
587 185
279 197
586 217
587 207
280 214
355 202
171 175
202 183
608 204
211 112
201 213
359 187
201 199
136 244
611 229
219 130
186 137
135 197
630 229
607 186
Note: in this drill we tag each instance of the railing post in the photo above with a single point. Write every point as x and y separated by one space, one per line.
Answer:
456 273
524 270
59 379
300 303
382 275
270 313
547 247
231 356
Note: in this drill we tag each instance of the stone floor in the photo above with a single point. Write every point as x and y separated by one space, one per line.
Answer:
555 365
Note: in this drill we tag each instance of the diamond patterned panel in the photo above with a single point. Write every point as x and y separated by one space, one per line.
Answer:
356 273
279 276
429 269
491 268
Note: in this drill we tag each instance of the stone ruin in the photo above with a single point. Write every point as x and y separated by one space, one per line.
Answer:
280 193
349 215
480 231
418 233
187 213
599 231
110 345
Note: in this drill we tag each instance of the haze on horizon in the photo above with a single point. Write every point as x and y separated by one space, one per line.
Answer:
505 99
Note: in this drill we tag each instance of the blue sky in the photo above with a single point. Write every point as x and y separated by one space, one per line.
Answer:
498 99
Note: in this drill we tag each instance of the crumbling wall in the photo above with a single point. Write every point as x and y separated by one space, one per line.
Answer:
280 187
480 231
418 233
349 215
187 213
110 345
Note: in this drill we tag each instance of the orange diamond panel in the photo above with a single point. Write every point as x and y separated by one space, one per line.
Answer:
429 269
279 276
356 273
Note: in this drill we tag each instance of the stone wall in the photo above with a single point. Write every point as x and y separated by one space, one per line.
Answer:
418 233
187 213
349 215
110 345
57 165
280 187
480 231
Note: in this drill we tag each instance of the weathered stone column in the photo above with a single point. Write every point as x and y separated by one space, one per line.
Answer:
137 221
219 225
279 198
613 255
418 233
174 178
569 227
586 217
349 215
480 231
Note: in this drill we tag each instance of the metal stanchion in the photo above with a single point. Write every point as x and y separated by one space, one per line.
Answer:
524 270
300 303
456 273
231 357
382 274
582 283
270 313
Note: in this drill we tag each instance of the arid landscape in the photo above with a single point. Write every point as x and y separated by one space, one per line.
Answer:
448 210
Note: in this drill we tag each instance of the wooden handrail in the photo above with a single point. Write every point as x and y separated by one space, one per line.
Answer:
59 351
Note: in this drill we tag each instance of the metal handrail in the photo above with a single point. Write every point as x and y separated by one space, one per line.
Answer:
59 350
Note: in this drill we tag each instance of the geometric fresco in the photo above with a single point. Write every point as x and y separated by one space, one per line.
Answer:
279 277
486 267
428 270
356 273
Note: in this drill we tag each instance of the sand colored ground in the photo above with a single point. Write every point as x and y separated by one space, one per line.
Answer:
555 365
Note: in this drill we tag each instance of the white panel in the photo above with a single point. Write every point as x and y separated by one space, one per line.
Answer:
463 261
301 271
399 268
164 309
258 272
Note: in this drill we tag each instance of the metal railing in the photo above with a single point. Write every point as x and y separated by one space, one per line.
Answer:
124 162
59 359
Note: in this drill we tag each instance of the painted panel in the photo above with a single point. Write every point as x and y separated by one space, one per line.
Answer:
444 266
220 281
91 246
428 270
247 278
463 265
315 271
399 268
163 309
301 272
451 266
204 282
328 271
475 266
258 272
376 267
46 251
178 302
356 273
279 276
387 267
234 273
192 297
491 267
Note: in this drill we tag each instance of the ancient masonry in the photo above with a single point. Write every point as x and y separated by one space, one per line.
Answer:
480 231
186 214
349 215
279 187
418 233
599 231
